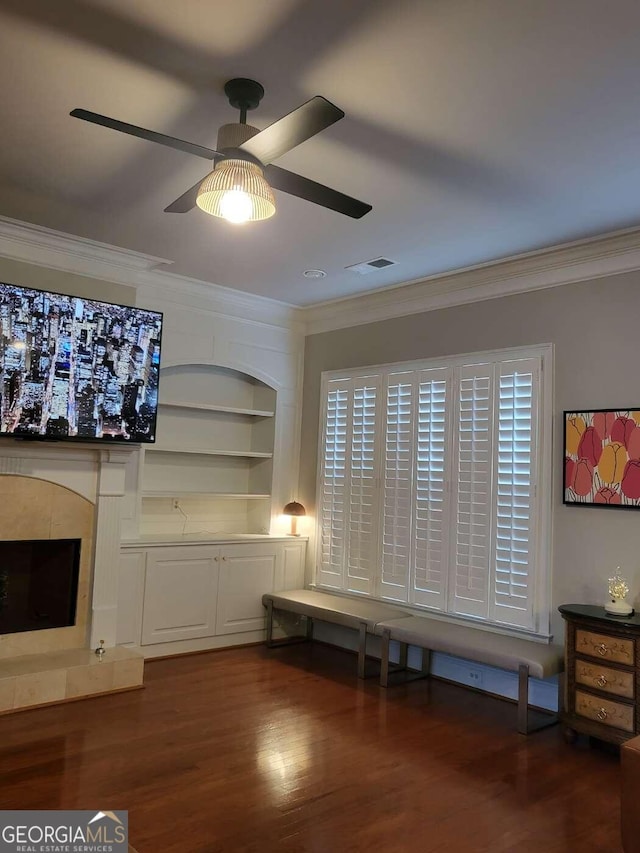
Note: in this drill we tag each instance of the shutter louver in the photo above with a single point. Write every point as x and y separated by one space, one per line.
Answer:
363 491
398 465
472 531
333 484
431 503
515 462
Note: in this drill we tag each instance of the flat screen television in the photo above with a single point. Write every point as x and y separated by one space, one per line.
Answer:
77 369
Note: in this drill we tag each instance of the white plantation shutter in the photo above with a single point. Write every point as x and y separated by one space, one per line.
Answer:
333 484
515 482
429 486
363 491
431 499
348 505
398 485
473 499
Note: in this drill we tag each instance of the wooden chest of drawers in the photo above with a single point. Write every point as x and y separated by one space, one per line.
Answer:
602 669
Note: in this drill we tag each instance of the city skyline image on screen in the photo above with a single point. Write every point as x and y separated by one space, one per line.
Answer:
76 368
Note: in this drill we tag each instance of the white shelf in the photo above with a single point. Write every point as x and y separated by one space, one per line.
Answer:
251 454
203 407
177 493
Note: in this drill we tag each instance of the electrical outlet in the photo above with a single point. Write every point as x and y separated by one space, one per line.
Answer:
474 676
176 503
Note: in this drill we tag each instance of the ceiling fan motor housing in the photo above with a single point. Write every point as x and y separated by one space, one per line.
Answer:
233 135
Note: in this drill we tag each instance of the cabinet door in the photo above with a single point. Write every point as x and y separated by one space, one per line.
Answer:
130 591
180 594
292 566
246 572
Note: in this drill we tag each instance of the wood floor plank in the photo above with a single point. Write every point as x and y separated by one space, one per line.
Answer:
285 750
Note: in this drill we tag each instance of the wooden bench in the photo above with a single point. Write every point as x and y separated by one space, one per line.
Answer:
361 614
526 657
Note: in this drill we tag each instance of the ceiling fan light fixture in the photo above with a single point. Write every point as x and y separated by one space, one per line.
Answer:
236 190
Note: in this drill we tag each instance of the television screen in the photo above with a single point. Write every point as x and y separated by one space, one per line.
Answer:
77 369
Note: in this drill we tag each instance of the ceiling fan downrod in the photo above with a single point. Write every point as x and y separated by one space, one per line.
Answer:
243 95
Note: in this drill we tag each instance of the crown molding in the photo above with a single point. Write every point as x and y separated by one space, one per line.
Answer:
597 257
251 308
45 247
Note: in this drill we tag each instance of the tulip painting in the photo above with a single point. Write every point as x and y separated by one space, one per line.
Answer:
602 458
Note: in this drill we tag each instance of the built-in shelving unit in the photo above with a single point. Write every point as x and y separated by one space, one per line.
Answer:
172 493
251 454
257 413
212 466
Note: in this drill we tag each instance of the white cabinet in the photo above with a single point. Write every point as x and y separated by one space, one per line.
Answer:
205 595
246 572
180 593
212 466
130 593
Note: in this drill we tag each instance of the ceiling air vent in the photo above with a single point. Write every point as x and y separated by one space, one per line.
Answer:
371 266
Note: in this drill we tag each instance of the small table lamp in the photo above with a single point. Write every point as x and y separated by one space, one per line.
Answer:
618 591
295 510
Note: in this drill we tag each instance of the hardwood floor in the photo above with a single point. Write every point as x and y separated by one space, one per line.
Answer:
257 750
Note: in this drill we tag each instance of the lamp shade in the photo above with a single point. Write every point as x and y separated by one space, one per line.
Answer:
236 190
294 508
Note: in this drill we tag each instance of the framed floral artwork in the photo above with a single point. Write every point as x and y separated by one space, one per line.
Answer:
602 458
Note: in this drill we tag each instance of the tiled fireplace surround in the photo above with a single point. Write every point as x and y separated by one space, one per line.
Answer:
58 491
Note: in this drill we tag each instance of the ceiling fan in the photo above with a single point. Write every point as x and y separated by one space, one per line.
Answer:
240 186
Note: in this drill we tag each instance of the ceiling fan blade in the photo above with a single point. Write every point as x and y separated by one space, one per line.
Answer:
292 129
185 202
309 190
143 133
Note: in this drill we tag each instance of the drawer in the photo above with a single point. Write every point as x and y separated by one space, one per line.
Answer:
616 649
604 678
604 711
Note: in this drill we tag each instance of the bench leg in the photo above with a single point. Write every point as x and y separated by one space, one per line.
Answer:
426 662
523 699
269 624
285 641
362 649
525 724
384 660
402 659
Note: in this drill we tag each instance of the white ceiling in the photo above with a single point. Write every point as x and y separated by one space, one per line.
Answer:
477 130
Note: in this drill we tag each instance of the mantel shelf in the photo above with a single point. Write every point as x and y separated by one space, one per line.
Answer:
251 454
179 493
204 407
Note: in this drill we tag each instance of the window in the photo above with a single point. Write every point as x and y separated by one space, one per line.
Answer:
434 485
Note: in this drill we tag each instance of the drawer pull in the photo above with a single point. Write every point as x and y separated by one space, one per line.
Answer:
602 714
603 649
601 680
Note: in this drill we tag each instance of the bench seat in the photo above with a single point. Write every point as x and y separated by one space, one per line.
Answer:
361 614
526 657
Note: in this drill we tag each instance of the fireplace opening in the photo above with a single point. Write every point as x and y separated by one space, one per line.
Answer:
38 584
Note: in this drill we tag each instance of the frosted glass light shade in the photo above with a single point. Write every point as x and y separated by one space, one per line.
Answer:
236 190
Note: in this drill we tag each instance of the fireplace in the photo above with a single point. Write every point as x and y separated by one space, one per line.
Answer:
38 584
69 501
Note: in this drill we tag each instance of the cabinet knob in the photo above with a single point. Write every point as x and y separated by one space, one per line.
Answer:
601 680
602 714
602 649
216 559
224 558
